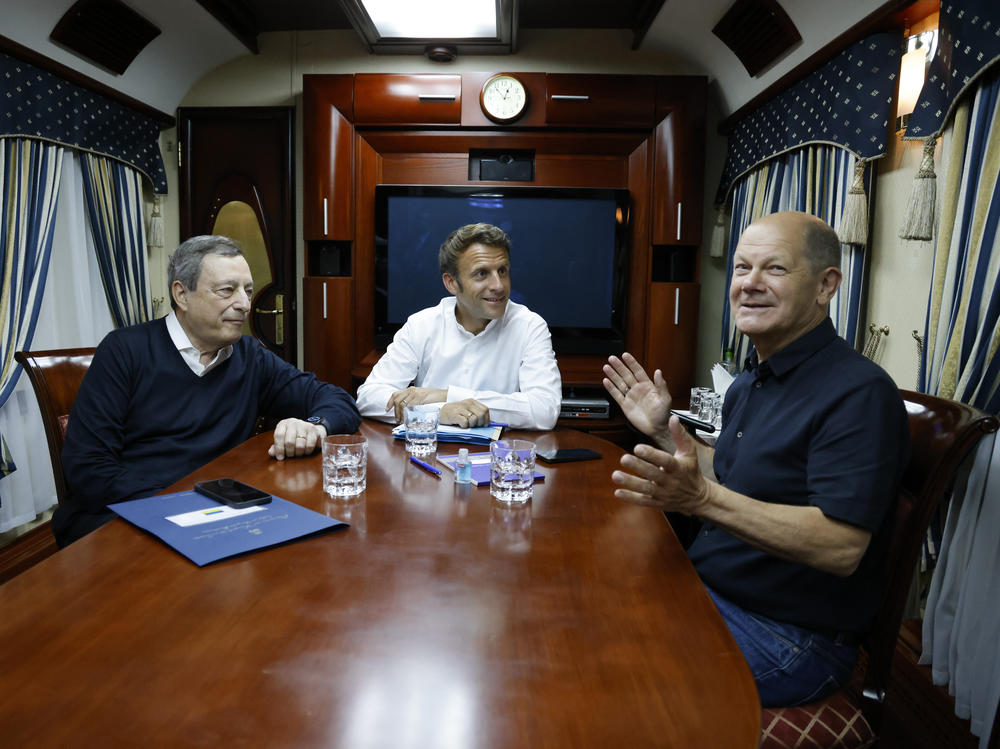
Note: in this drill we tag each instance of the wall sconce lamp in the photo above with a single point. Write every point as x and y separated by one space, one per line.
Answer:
919 52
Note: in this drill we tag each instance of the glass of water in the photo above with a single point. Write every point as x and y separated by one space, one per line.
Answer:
512 470
421 429
345 465
695 403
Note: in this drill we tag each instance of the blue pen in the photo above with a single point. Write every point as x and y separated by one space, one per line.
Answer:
497 424
426 466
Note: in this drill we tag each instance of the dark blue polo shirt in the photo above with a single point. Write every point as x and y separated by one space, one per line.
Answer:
815 424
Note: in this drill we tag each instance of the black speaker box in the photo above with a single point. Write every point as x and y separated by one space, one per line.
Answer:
502 166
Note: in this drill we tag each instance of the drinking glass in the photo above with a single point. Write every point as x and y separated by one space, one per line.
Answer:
705 406
421 429
345 465
695 403
512 470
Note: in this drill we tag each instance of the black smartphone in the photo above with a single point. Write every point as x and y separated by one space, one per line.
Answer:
233 493
690 423
568 455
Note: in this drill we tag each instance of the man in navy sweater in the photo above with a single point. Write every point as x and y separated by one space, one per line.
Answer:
796 498
163 398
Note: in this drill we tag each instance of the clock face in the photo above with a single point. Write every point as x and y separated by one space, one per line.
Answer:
503 98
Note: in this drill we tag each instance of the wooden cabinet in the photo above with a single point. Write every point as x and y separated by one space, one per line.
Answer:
327 309
327 103
641 133
672 338
419 99
678 175
610 101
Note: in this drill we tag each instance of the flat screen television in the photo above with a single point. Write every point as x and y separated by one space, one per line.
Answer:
569 255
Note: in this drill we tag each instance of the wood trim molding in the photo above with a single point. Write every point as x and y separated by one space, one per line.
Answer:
894 14
14 49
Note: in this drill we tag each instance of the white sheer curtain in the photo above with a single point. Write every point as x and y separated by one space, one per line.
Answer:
74 312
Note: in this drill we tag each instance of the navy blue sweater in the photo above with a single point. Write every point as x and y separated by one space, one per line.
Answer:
143 419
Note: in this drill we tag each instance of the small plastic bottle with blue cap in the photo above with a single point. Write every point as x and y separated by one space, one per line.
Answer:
463 467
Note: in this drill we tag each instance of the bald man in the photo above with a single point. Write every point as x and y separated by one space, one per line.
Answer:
796 498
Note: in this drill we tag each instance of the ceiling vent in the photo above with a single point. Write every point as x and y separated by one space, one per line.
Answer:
759 32
106 32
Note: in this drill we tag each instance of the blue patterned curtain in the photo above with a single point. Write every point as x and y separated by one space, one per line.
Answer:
29 187
113 194
816 180
962 331
961 361
39 104
846 102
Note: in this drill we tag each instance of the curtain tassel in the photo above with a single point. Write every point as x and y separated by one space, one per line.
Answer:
918 216
853 228
717 248
155 237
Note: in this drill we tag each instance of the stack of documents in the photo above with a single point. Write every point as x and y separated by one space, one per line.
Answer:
469 435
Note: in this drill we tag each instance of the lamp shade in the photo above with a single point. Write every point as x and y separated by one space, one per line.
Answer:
911 80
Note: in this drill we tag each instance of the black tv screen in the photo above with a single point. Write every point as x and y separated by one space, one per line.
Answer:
568 255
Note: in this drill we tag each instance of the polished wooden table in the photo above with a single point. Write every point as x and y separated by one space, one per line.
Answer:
440 619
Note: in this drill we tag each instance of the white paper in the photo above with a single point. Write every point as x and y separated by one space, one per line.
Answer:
210 515
721 379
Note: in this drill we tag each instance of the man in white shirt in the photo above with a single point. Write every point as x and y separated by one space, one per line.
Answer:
479 355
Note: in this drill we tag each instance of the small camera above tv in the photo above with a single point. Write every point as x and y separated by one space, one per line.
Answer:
568 258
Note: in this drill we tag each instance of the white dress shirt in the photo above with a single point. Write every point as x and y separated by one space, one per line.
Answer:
509 367
191 355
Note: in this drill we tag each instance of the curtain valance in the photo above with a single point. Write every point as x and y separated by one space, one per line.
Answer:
39 104
968 43
847 103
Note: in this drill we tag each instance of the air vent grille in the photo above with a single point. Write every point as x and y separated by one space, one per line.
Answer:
759 32
107 32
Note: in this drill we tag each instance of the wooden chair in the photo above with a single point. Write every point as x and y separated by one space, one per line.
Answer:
56 377
942 434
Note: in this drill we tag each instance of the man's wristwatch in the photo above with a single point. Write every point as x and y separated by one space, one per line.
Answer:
320 421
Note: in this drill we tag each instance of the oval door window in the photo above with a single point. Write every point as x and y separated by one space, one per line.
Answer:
238 221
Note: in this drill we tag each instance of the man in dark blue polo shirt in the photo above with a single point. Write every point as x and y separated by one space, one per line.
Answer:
796 496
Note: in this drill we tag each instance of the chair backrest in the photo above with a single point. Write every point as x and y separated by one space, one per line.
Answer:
942 434
56 376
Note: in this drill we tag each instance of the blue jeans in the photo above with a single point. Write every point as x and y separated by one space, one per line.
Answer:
791 665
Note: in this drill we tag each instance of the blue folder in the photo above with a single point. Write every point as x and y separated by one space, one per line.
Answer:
480 467
278 522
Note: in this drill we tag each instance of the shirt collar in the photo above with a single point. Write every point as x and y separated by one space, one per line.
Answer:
797 351
187 350
450 305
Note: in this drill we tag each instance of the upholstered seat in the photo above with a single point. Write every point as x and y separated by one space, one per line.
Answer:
942 434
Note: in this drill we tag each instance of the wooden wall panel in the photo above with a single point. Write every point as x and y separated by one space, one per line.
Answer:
368 173
639 167
550 170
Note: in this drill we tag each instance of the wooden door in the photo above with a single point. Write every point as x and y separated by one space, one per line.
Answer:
236 179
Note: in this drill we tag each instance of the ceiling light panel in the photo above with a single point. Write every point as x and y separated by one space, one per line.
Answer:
433 19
